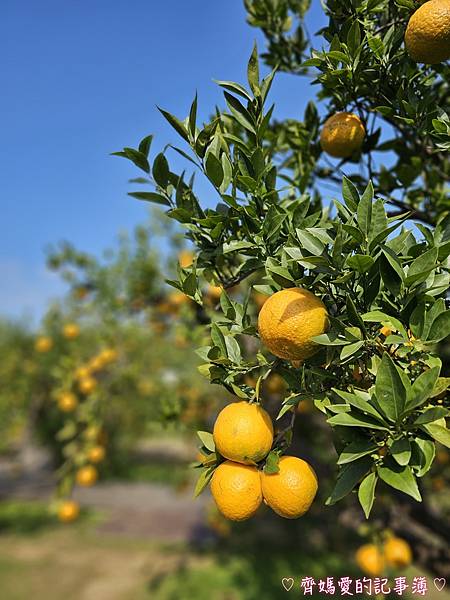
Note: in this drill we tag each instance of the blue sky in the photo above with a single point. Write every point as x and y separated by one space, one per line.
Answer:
80 80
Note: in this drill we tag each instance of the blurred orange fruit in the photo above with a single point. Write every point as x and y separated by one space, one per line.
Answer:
71 331
87 385
87 476
67 402
68 511
43 344
397 553
96 454
370 560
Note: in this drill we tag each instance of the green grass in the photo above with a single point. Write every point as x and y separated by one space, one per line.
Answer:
20 517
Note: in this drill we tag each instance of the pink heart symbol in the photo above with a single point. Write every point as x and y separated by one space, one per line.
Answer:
440 584
288 582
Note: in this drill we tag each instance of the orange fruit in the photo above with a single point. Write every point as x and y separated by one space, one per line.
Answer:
68 511
288 321
236 490
87 385
43 344
427 36
370 560
185 258
96 454
67 402
291 491
397 553
71 331
342 135
243 432
87 476
82 372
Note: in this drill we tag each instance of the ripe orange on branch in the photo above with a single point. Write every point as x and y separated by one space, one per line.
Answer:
43 344
370 560
288 321
87 476
71 331
96 454
243 432
397 553
342 135
68 511
427 36
236 490
67 402
291 491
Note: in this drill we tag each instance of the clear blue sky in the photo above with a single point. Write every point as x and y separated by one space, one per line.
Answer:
82 79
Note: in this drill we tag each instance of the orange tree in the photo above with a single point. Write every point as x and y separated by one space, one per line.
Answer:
82 385
375 259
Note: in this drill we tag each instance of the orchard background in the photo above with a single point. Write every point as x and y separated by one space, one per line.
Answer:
111 392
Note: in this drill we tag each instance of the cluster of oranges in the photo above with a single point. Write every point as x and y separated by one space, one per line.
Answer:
243 435
394 553
85 476
44 343
427 40
85 379
243 432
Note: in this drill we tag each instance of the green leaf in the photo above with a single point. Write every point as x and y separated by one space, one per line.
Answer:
400 478
360 262
438 432
329 339
417 320
160 170
253 71
233 349
193 116
350 475
431 415
437 309
360 403
350 420
240 113
441 385
350 194
236 88
350 349
366 493
401 451
389 389
214 169
356 450
203 480
207 440
421 267
136 157
150 197
310 242
219 339
440 328
353 314
423 453
176 124
271 467
144 145
422 388
377 316
354 37
364 211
